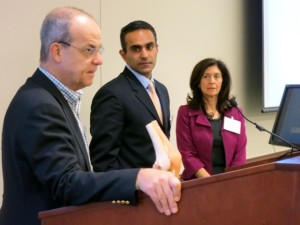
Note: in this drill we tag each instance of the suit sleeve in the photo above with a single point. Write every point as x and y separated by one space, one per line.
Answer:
190 158
54 158
107 122
239 157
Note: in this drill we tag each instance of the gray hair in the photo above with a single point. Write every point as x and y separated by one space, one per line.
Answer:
56 26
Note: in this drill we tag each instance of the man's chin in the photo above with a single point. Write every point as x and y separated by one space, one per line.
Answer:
146 73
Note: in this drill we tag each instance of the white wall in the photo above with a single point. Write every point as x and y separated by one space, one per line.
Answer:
188 31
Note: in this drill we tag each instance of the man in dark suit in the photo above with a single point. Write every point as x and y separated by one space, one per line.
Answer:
44 150
122 107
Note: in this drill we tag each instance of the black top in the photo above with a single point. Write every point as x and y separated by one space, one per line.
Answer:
218 153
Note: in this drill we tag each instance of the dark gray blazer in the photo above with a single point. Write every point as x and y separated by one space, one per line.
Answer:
120 111
45 164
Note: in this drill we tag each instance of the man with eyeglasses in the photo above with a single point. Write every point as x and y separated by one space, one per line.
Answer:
44 150
122 108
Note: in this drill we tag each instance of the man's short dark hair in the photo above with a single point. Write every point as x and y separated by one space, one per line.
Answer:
133 26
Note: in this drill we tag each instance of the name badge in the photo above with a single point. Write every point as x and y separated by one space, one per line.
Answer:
232 125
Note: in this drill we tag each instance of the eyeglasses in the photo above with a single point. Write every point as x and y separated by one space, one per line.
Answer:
88 51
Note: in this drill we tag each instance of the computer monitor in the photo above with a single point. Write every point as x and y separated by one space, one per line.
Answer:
287 122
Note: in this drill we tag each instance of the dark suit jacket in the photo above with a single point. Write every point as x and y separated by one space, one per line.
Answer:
120 111
45 164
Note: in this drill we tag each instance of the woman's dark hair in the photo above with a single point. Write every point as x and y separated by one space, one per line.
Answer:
133 26
195 99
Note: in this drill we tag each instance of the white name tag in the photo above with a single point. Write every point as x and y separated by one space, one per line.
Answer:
232 125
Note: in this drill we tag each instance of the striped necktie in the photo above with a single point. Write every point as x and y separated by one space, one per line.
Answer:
155 100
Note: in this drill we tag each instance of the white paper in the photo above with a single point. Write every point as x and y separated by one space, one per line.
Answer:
160 148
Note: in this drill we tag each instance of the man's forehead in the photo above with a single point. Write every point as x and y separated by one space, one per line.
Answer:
142 44
141 34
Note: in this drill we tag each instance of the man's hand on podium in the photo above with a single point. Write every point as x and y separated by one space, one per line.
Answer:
162 187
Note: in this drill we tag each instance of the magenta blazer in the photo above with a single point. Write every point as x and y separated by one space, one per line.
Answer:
195 139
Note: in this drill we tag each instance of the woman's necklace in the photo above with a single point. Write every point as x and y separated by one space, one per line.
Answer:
213 115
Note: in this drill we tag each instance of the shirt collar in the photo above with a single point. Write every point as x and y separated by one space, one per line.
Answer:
144 80
70 95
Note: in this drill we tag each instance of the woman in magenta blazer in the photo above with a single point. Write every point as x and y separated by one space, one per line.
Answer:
210 132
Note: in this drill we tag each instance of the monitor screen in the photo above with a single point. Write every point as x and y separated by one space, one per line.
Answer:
287 122
281 35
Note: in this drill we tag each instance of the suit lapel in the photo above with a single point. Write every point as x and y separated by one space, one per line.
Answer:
140 93
164 103
41 79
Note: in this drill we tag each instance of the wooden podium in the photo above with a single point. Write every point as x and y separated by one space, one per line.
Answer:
264 194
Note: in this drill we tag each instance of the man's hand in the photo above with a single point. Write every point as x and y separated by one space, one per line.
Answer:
162 187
